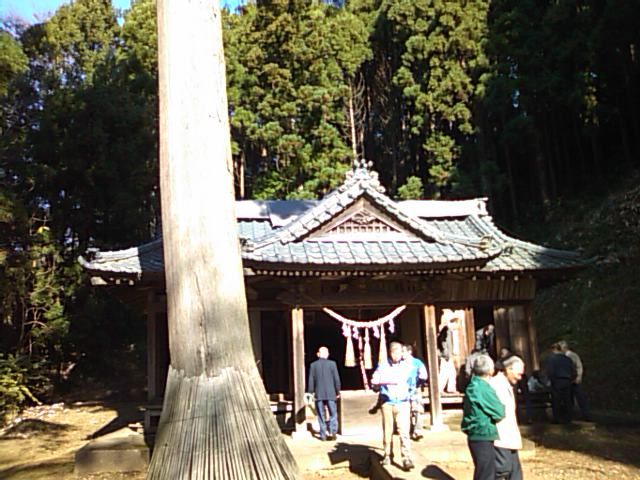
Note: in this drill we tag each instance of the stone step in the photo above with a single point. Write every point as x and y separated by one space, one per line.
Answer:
119 451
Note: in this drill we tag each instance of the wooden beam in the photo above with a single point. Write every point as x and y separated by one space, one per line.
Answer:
297 336
435 404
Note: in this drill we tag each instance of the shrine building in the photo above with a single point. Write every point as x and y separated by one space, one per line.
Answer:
354 271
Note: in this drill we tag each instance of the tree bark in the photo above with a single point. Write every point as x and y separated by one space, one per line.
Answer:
352 124
216 421
539 167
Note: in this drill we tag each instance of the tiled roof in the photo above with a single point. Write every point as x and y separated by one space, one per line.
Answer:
516 255
435 235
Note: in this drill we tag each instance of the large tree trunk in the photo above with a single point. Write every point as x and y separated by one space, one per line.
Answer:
216 421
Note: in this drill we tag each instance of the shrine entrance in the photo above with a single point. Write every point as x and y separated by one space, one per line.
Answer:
321 329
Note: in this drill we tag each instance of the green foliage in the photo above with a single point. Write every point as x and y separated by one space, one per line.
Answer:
13 61
35 285
79 166
14 389
597 311
289 67
112 355
430 61
412 189
555 96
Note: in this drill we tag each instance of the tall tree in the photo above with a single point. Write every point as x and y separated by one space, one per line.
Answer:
290 70
216 421
421 86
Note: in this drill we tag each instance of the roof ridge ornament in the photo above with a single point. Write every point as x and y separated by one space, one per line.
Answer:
362 172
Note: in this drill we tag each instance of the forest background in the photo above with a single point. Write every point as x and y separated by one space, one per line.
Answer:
533 104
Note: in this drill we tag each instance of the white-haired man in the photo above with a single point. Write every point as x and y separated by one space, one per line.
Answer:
481 410
510 442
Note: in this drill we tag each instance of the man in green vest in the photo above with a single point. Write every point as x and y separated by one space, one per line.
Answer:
482 409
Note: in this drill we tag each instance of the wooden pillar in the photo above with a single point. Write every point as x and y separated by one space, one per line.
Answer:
157 361
470 328
519 335
152 348
297 337
255 327
435 404
533 338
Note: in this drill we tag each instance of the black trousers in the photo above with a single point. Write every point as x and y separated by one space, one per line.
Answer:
484 459
561 402
577 395
508 464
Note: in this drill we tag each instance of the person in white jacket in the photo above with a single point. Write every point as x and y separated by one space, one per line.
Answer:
507 460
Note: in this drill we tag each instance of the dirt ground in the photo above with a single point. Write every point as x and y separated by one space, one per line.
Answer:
40 444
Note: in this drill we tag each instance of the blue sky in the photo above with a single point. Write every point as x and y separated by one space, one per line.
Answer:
33 10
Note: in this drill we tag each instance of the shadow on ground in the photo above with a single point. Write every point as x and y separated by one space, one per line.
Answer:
615 442
357 455
433 471
126 414
45 470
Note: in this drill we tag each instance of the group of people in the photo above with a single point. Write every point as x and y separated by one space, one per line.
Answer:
489 418
398 380
489 407
564 372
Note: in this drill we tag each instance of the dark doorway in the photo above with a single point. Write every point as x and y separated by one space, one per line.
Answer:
276 346
322 330
484 316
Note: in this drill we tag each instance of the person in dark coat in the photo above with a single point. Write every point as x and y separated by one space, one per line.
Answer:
485 340
324 383
561 373
577 394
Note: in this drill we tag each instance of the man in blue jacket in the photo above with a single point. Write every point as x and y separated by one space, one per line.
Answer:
394 379
324 382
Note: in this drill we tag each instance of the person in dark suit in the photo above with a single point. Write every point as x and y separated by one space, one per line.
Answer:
561 373
324 382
